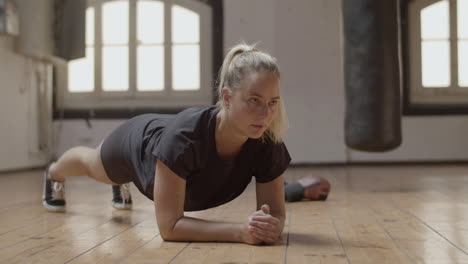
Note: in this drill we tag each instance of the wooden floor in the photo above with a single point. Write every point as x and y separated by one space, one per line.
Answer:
375 214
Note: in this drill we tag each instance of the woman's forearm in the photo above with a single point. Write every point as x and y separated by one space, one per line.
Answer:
193 229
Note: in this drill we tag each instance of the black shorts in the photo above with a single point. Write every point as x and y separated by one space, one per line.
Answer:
116 153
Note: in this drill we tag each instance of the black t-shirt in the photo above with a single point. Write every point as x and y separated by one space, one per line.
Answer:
186 144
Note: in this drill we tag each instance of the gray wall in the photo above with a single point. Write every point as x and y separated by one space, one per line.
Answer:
21 78
305 37
25 101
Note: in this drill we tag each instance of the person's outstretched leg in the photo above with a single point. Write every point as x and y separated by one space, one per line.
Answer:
78 161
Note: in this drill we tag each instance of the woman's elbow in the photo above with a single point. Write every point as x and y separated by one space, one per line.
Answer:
171 237
166 235
167 230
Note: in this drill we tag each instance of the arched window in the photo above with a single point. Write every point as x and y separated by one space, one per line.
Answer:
143 54
437 36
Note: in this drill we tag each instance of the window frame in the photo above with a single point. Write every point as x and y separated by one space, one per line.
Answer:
418 100
99 104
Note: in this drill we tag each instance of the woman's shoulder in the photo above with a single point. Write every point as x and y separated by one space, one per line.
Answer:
191 126
196 112
193 119
184 142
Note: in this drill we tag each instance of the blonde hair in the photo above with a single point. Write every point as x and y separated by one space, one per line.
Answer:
244 59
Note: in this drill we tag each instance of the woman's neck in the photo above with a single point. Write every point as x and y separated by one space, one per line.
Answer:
228 141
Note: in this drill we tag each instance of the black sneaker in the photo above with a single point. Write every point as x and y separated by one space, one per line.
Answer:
122 199
53 197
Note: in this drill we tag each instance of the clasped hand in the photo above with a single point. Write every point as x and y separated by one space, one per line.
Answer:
263 227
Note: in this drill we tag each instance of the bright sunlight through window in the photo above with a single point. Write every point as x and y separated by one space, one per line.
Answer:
185 49
115 46
150 27
462 25
435 45
133 55
81 71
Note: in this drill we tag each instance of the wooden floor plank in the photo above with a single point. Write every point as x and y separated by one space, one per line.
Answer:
365 241
156 251
70 248
237 212
120 246
375 214
404 211
312 237
436 238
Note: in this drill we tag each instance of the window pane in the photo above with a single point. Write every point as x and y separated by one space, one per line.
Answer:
150 68
435 63
463 63
81 73
90 26
186 67
435 21
115 68
462 6
150 22
115 22
185 25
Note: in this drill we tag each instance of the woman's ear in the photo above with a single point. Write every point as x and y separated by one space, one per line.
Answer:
226 93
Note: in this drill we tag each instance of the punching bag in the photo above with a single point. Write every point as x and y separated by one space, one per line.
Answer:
372 74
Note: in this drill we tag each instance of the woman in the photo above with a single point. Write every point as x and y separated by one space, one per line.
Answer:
200 158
